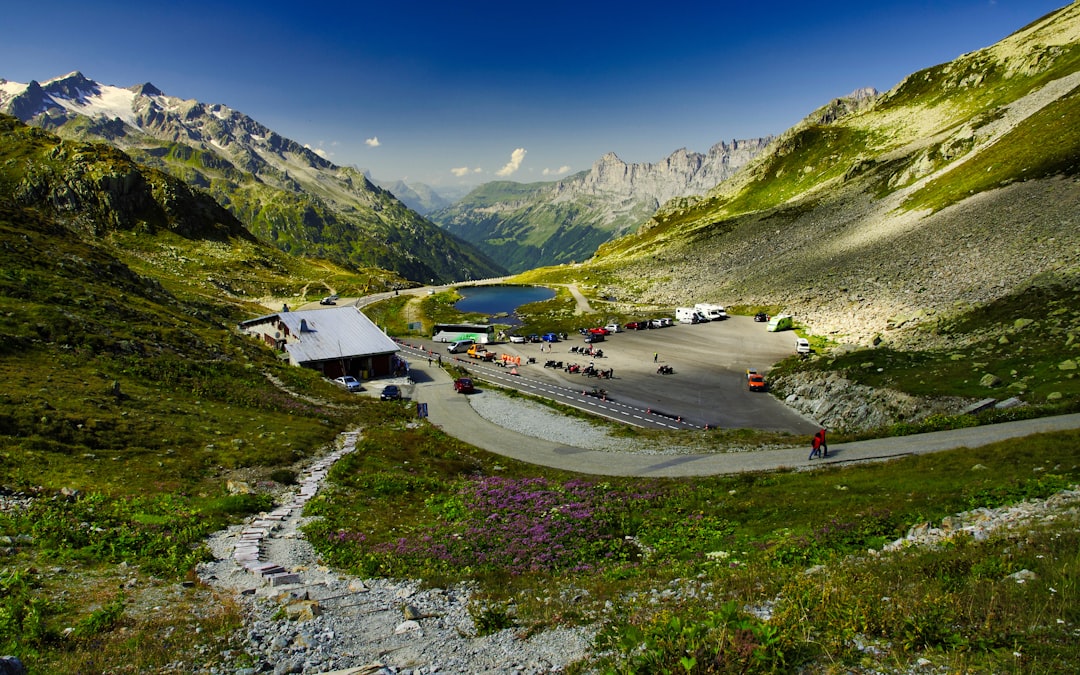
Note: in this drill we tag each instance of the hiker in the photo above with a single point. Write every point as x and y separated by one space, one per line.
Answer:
820 435
655 355
815 447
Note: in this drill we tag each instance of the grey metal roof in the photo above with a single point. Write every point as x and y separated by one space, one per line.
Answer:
332 333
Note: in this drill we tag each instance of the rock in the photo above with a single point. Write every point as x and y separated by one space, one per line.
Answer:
303 610
1054 396
406 627
1067 364
1022 576
11 665
1021 324
990 380
289 666
979 406
238 487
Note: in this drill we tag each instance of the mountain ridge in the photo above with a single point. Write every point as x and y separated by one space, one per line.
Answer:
954 188
526 225
283 192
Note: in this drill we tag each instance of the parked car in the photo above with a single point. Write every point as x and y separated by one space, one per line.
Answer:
634 325
349 382
613 328
761 317
464 385
390 392
329 300
549 337
599 330
517 339
594 337
533 337
656 323
802 345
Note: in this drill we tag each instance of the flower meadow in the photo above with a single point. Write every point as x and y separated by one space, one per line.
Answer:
508 525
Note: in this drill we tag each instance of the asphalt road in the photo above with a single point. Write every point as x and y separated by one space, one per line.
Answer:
453 414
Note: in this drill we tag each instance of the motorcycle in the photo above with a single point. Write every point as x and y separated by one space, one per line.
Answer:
665 370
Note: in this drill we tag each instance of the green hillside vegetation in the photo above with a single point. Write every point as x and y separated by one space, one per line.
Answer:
833 147
136 420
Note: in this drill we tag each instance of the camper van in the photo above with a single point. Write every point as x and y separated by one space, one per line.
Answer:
460 346
689 315
780 322
711 312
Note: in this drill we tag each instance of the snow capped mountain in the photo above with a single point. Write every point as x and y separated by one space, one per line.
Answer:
283 191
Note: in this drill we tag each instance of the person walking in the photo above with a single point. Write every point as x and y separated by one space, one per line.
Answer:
815 447
821 442
655 355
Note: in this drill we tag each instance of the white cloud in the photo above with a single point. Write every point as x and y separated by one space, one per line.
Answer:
372 142
462 171
556 172
516 158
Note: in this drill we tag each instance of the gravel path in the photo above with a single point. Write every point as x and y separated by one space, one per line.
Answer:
303 617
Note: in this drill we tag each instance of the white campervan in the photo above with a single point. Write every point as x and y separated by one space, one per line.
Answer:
712 312
689 315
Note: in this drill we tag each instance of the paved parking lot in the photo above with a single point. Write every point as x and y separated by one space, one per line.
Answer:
708 386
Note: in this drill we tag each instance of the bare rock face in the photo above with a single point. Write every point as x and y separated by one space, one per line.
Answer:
842 405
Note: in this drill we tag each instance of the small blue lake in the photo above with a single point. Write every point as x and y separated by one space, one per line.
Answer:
494 300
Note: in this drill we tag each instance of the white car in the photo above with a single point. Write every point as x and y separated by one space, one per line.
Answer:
518 339
349 382
613 328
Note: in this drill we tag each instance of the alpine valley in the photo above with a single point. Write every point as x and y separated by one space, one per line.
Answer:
283 192
925 239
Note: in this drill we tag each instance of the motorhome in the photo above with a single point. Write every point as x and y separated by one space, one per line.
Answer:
780 322
689 315
712 312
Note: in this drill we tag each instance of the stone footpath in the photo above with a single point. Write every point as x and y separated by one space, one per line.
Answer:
250 550
302 617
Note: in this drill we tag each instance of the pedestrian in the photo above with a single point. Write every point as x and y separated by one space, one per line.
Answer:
655 355
821 443
429 360
815 447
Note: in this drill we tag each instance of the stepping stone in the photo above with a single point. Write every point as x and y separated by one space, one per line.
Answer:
283 578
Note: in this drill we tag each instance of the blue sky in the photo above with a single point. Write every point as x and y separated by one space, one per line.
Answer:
471 91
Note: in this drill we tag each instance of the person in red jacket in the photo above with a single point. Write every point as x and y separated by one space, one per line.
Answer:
818 446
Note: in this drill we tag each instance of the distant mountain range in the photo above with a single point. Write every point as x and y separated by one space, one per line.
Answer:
538 224
283 192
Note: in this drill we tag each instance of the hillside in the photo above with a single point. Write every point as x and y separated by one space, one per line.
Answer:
954 189
527 225
282 191
121 288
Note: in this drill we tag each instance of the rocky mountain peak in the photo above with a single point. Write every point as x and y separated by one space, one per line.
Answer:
74 86
147 89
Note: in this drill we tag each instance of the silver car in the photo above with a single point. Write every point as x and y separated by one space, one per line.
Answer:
349 382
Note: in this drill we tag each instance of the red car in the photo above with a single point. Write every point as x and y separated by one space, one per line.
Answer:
599 331
464 385
755 381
